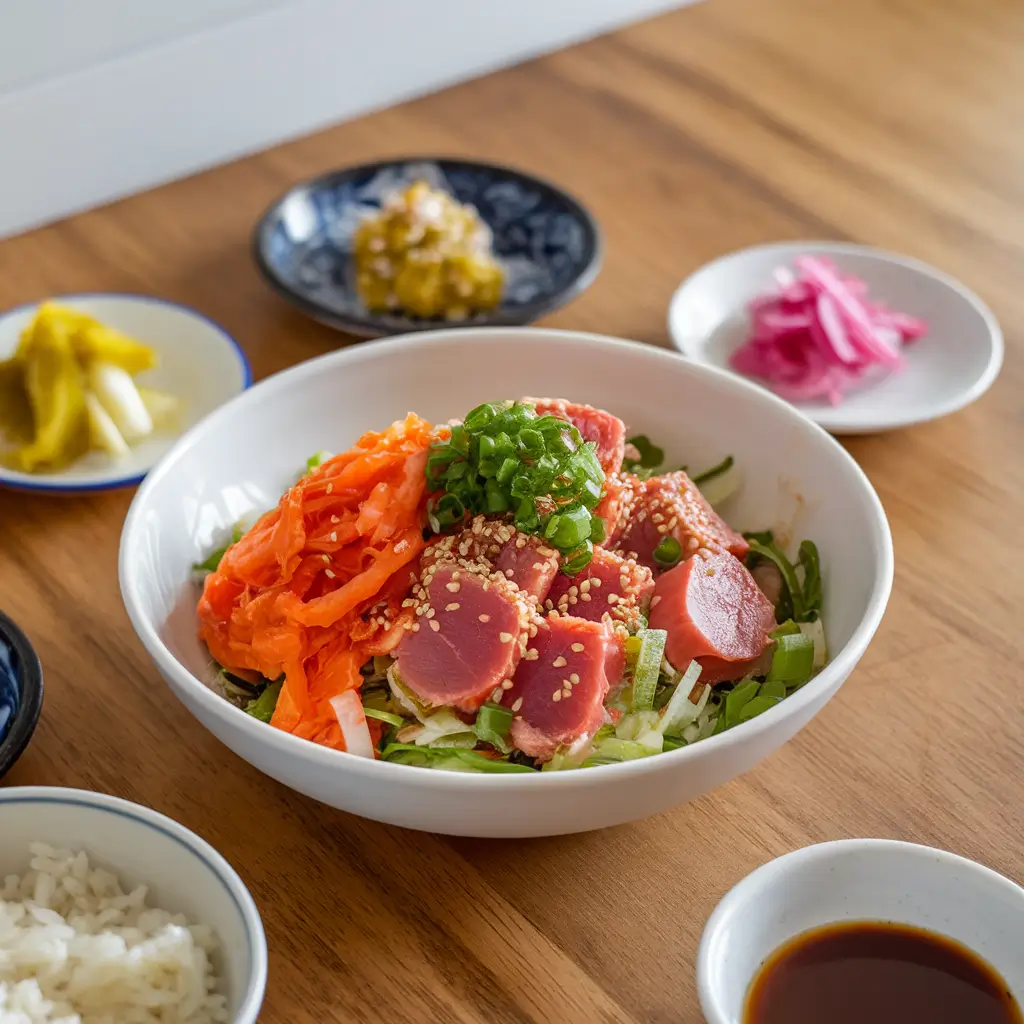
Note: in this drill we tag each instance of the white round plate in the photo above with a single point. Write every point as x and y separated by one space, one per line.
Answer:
200 363
951 366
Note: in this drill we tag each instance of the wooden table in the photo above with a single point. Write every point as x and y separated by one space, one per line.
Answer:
891 122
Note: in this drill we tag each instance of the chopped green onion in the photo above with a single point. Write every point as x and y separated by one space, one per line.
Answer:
612 751
735 701
772 688
816 631
506 458
648 668
264 705
679 712
385 716
668 552
633 645
493 724
756 706
651 456
317 460
787 628
709 474
793 660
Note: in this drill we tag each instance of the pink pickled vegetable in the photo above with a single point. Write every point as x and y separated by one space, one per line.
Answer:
818 334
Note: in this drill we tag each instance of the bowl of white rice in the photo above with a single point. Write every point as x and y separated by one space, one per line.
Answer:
113 914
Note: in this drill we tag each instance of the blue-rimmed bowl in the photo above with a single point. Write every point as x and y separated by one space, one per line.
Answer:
548 244
200 363
21 693
183 872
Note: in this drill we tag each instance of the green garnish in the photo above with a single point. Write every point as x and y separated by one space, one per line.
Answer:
449 759
668 552
648 667
709 474
651 456
385 716
212 560
264 705
792 660
504 458
493 724
801 601
317 460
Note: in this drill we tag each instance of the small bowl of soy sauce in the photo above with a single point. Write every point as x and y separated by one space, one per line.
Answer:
21 692
866 930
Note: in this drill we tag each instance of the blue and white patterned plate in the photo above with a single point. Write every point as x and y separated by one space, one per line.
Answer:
548 245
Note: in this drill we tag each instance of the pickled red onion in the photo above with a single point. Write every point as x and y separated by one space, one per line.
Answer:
817 334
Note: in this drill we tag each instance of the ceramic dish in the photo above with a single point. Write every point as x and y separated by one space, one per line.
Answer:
951 366
184 873
795 476
857 880
548 244
199 363
21 693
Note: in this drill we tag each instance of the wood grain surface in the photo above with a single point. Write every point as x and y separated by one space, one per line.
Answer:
891 122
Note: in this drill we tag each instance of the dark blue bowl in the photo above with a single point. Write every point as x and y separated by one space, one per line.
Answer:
21 692
549 245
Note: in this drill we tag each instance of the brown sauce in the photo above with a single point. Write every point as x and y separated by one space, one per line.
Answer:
879 973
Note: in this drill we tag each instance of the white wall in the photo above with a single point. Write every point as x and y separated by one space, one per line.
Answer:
102 98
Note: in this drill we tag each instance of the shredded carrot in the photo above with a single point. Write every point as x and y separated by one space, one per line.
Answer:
314 589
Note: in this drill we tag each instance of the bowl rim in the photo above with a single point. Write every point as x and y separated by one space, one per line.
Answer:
30 694
833 419
311 753
772 872
23 481
254 986
370 326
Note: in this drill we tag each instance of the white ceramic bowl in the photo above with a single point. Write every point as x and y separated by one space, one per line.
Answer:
199 362
954 364
184 873
245 455
856 880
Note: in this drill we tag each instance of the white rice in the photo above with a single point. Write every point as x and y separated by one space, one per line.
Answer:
76 949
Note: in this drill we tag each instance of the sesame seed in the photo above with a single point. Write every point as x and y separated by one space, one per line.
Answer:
506 684
556 696
553 614
335 519
595 581
434 624
655 600
531 654
574 678
566 694
505 637
334 536
584 586
484 617
577 647
326 558
453 587
585 597
453 607
415 627
431 613
559 662
330 487
517 703
455 575
510 573
329 574
381 621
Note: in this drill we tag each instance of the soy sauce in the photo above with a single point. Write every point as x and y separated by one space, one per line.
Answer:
879 973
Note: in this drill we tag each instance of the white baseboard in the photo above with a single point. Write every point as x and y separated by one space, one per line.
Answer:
86 138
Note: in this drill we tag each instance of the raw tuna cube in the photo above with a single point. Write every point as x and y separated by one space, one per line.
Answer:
616 506
608 432
610 585
714 611
469 632
558 691
497 546
672 506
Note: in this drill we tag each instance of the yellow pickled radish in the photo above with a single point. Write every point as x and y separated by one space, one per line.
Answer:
164 409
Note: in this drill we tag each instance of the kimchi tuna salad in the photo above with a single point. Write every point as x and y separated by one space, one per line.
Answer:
521 590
